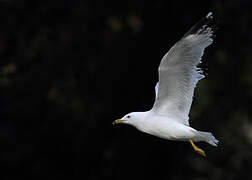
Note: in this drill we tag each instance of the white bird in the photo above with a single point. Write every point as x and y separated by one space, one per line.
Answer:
178 76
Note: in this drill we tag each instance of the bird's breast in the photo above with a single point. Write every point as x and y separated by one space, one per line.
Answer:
166 128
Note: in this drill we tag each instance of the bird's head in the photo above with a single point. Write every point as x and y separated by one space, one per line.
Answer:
131 118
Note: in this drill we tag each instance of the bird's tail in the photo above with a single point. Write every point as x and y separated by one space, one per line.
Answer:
207 137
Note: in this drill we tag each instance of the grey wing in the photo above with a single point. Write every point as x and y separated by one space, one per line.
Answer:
178 72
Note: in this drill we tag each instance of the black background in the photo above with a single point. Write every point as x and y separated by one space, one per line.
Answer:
69 68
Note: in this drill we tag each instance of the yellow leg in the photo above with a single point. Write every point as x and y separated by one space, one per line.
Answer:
200 151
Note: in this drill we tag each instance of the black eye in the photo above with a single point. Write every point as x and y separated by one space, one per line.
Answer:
128 117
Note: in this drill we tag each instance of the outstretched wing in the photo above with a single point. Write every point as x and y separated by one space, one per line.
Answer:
179 74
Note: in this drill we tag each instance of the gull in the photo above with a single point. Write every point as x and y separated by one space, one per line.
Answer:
178 76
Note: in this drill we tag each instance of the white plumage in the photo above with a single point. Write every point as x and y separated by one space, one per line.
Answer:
178 76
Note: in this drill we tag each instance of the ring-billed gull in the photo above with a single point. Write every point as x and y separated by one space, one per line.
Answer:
178 76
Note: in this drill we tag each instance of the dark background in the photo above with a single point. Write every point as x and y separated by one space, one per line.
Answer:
69 68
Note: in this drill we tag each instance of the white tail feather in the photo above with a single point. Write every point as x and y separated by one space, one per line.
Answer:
207 137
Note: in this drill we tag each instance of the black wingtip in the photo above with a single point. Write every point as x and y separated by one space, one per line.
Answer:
207 21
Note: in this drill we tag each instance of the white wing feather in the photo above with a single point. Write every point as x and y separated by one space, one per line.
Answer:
178 72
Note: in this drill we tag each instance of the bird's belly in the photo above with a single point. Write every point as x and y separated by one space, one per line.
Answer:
171 130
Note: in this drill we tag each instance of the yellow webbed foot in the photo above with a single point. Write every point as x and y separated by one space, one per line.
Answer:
198 150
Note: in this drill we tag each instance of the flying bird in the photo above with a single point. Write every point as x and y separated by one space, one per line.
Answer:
178 76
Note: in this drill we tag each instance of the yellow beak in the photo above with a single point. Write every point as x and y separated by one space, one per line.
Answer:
118 121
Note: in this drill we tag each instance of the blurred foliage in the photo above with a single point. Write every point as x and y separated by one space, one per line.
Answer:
69 68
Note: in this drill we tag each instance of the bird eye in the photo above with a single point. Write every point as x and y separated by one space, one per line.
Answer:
128 117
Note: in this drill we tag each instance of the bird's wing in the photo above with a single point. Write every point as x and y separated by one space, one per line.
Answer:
179 74
156 90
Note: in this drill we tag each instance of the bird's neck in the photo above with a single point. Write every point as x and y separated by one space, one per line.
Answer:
142 120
